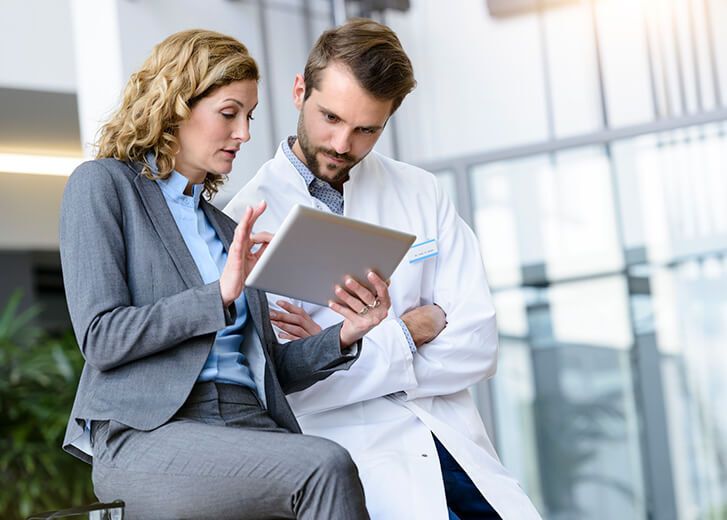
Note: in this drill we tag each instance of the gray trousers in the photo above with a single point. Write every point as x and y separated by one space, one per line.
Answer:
223 456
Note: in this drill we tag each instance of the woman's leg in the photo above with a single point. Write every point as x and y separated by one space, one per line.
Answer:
197 466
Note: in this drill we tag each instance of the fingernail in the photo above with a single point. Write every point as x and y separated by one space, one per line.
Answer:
273 314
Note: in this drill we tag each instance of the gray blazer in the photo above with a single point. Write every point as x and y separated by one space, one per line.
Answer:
144 319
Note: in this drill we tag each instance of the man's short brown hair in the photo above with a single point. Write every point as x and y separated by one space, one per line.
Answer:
372 52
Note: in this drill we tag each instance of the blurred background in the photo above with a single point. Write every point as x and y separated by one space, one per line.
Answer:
583 140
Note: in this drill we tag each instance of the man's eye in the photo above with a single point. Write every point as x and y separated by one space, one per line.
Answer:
331 117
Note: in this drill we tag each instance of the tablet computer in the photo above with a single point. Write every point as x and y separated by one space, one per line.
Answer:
314 250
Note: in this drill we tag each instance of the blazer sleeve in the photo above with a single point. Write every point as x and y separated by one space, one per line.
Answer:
110 330
303 362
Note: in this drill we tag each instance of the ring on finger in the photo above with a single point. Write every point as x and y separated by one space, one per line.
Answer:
376 303
363 311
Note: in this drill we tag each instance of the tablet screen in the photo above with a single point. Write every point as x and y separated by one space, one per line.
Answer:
314 250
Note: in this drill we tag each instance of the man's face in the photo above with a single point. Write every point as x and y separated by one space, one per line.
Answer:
338 124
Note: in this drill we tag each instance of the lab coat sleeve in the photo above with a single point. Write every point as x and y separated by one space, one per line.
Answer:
465 352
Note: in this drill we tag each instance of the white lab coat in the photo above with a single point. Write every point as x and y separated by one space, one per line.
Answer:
386 406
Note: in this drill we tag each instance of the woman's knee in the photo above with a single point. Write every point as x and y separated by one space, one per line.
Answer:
332 458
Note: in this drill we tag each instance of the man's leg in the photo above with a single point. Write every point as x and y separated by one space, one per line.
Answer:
188 468
463 497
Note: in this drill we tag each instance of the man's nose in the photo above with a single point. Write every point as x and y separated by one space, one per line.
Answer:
341 142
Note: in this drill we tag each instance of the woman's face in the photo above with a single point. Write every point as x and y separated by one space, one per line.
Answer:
216 128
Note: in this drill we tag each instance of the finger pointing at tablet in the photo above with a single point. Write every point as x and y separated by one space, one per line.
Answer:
240 258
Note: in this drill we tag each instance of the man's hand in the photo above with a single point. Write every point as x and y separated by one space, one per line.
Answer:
425 323
295 323
362 310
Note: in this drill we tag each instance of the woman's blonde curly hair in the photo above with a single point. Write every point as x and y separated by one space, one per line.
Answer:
180 71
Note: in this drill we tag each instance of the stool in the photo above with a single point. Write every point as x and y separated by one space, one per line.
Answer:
98 511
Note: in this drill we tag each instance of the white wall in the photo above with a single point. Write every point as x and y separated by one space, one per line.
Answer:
29 209
480 81
36 45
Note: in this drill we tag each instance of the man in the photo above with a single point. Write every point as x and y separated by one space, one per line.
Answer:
403 410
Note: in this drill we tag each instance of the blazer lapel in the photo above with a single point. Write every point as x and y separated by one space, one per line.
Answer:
255 308
166 228
276 403
224 227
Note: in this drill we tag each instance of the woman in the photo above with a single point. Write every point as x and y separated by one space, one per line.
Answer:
181 402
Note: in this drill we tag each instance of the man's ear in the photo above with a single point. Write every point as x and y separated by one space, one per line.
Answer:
298 91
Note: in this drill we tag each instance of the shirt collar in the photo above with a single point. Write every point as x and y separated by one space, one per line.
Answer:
174 185
300 167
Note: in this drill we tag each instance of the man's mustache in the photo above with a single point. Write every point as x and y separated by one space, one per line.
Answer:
332 153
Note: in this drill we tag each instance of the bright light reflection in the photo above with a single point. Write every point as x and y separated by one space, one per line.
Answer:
38 164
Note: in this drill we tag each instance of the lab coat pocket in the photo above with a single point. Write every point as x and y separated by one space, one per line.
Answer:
406 288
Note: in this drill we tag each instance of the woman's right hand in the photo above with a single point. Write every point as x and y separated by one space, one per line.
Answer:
240 257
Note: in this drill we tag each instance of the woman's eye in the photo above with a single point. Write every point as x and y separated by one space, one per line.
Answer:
250 117
228 115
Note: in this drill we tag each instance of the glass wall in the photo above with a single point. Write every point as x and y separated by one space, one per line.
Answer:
609 274
564 399
690 307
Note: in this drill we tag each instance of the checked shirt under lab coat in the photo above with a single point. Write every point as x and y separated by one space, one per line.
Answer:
385 408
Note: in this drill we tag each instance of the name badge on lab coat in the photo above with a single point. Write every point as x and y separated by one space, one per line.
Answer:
423 251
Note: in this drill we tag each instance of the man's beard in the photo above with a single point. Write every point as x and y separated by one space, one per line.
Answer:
310 153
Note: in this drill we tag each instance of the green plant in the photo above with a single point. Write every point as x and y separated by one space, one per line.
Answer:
38 378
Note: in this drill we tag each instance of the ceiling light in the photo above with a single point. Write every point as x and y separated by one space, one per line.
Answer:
38 164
